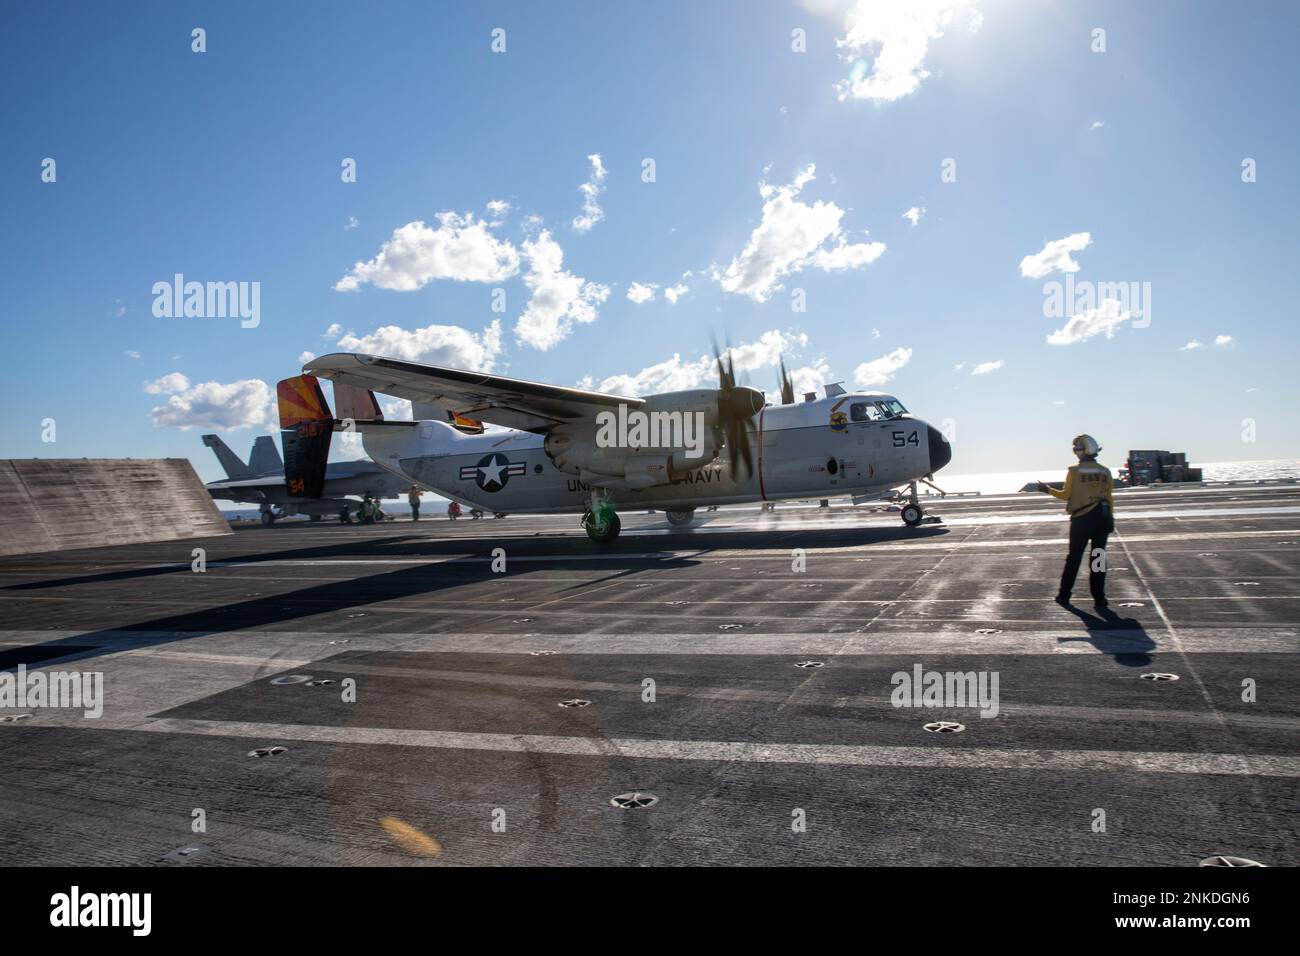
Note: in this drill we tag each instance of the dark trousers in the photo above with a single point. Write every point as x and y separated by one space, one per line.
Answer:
1087 533
415 512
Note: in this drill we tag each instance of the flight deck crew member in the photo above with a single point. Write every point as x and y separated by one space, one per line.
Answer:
413 498
1088 498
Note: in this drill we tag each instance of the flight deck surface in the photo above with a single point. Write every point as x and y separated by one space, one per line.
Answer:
456 749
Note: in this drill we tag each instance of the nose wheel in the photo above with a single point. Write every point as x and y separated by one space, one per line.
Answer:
912 513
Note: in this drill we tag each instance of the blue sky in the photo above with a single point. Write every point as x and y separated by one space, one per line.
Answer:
225 166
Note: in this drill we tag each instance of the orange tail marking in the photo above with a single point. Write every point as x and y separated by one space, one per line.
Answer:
301 400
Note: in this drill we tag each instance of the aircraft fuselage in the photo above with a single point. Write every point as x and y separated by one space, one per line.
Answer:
813 449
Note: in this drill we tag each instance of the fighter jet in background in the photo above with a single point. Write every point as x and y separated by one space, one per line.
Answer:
261 482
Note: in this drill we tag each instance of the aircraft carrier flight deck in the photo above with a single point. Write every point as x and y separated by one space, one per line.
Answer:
324 694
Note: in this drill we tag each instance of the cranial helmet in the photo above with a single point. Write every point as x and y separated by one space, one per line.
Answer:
1085 446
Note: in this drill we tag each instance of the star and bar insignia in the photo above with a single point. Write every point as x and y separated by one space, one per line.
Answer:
493 471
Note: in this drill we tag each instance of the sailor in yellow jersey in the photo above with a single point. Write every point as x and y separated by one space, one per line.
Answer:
1088 498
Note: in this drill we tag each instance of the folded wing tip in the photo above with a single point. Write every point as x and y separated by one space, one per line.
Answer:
336 360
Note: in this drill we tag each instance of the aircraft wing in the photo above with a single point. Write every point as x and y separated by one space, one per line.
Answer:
512 402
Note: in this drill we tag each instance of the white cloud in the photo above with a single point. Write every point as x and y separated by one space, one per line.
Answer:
1096 124
1055 256
242 404
638 292
172 382
1105 319
896 35
959 366
305 357
1191 346
397 410
498 207
790 238
914 214
1223 341
875 333
591 189
448 345
131 354
334 330
674 374
461 248
985 367
351 224
675 292
559 298
881 370
347 446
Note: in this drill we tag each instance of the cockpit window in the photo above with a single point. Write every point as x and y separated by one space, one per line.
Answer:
892 408
864 412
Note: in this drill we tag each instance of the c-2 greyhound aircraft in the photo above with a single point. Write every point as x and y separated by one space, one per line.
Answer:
571 450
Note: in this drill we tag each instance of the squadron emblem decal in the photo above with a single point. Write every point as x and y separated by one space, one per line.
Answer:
493 471
839 420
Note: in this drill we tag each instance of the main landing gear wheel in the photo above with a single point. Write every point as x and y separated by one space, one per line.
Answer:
680 519
602 533
267 517
316 517
912 515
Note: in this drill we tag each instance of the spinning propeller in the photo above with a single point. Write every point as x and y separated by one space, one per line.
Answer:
737 405
787 386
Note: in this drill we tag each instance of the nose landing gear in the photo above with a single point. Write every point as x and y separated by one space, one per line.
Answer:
912 514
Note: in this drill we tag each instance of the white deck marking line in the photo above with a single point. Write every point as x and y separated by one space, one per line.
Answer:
936 757
1261 801
880 702
315 645
1224 726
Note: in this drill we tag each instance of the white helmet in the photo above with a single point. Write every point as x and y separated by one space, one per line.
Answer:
1085 446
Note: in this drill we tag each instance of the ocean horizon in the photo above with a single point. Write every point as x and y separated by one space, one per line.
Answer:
989 483
1007 482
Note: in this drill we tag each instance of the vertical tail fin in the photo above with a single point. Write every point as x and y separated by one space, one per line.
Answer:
265 456
306 426
356 404
234 468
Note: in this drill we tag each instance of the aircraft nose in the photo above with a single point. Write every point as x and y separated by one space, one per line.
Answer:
940 450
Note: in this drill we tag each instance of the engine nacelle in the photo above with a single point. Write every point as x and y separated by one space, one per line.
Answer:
574 449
